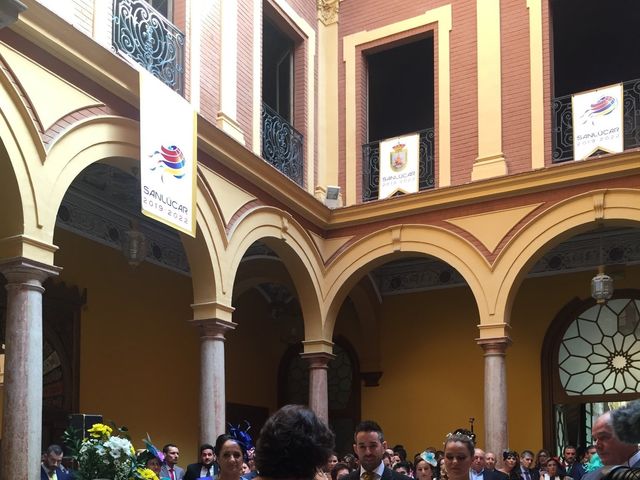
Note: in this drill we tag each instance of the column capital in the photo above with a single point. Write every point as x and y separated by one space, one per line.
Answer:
319 345
212 310
318 359
20 269
494 346
328 11
213 328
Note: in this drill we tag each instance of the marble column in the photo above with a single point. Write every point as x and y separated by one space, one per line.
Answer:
318 383
212 378
496 435
22 413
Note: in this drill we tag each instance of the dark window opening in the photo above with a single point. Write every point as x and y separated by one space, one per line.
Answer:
277 70
595 43
162 6
400 96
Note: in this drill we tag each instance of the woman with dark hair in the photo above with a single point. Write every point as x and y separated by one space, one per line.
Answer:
555 471
424 466
458 456
510 464
293 444
340 471
230 454
541 461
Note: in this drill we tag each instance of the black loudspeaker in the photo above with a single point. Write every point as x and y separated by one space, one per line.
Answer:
83 422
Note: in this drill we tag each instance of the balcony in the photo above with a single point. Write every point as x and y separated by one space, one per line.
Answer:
143 34
282 145
562 129
371 165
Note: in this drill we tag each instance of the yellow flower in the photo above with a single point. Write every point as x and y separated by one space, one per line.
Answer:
147 474
99 430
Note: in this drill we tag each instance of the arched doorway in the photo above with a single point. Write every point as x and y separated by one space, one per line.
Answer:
590 364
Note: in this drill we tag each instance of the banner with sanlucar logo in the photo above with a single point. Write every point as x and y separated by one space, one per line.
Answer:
399 165
598 121
168 153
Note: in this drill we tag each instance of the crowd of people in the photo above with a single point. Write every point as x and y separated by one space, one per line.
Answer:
295 445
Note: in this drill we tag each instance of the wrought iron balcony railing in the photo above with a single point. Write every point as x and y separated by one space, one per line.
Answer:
371 165
562 129
282 145
143 34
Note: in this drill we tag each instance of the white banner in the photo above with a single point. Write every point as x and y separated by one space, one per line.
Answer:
168 154
399 165
597 121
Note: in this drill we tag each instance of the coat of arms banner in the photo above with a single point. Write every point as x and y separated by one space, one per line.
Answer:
399 164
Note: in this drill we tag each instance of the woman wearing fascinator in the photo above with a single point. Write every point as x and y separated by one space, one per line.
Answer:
231 452
510 465
425 465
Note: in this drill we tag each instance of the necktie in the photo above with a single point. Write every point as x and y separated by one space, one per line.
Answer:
171 474
368 476
527 476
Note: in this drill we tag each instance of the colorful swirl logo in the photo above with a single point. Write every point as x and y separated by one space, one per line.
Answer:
604 106
170 160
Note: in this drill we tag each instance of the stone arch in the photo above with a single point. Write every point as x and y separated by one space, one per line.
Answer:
570 217
116 140
206 249
83 144
21 151
402 241
280 232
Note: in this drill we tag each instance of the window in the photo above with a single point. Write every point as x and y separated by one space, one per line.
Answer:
595 365
277 70
165 7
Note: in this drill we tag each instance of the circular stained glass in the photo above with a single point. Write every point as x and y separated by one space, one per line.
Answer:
600 351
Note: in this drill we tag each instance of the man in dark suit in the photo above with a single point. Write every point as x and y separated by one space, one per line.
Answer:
370 446
526 466
207 466
51 465
571 463
479 470
611 450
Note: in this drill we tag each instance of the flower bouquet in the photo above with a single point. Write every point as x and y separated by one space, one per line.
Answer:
105 455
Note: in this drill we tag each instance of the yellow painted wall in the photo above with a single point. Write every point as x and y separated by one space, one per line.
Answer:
253 354
434 370
139 357
432 381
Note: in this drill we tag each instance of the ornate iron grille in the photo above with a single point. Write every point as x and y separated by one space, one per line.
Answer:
146 36
282 145
371 165
562 132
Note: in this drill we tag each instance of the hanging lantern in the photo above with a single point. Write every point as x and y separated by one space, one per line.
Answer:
601 286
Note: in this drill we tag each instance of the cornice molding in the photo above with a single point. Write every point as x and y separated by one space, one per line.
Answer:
552 178
65 42
230 153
